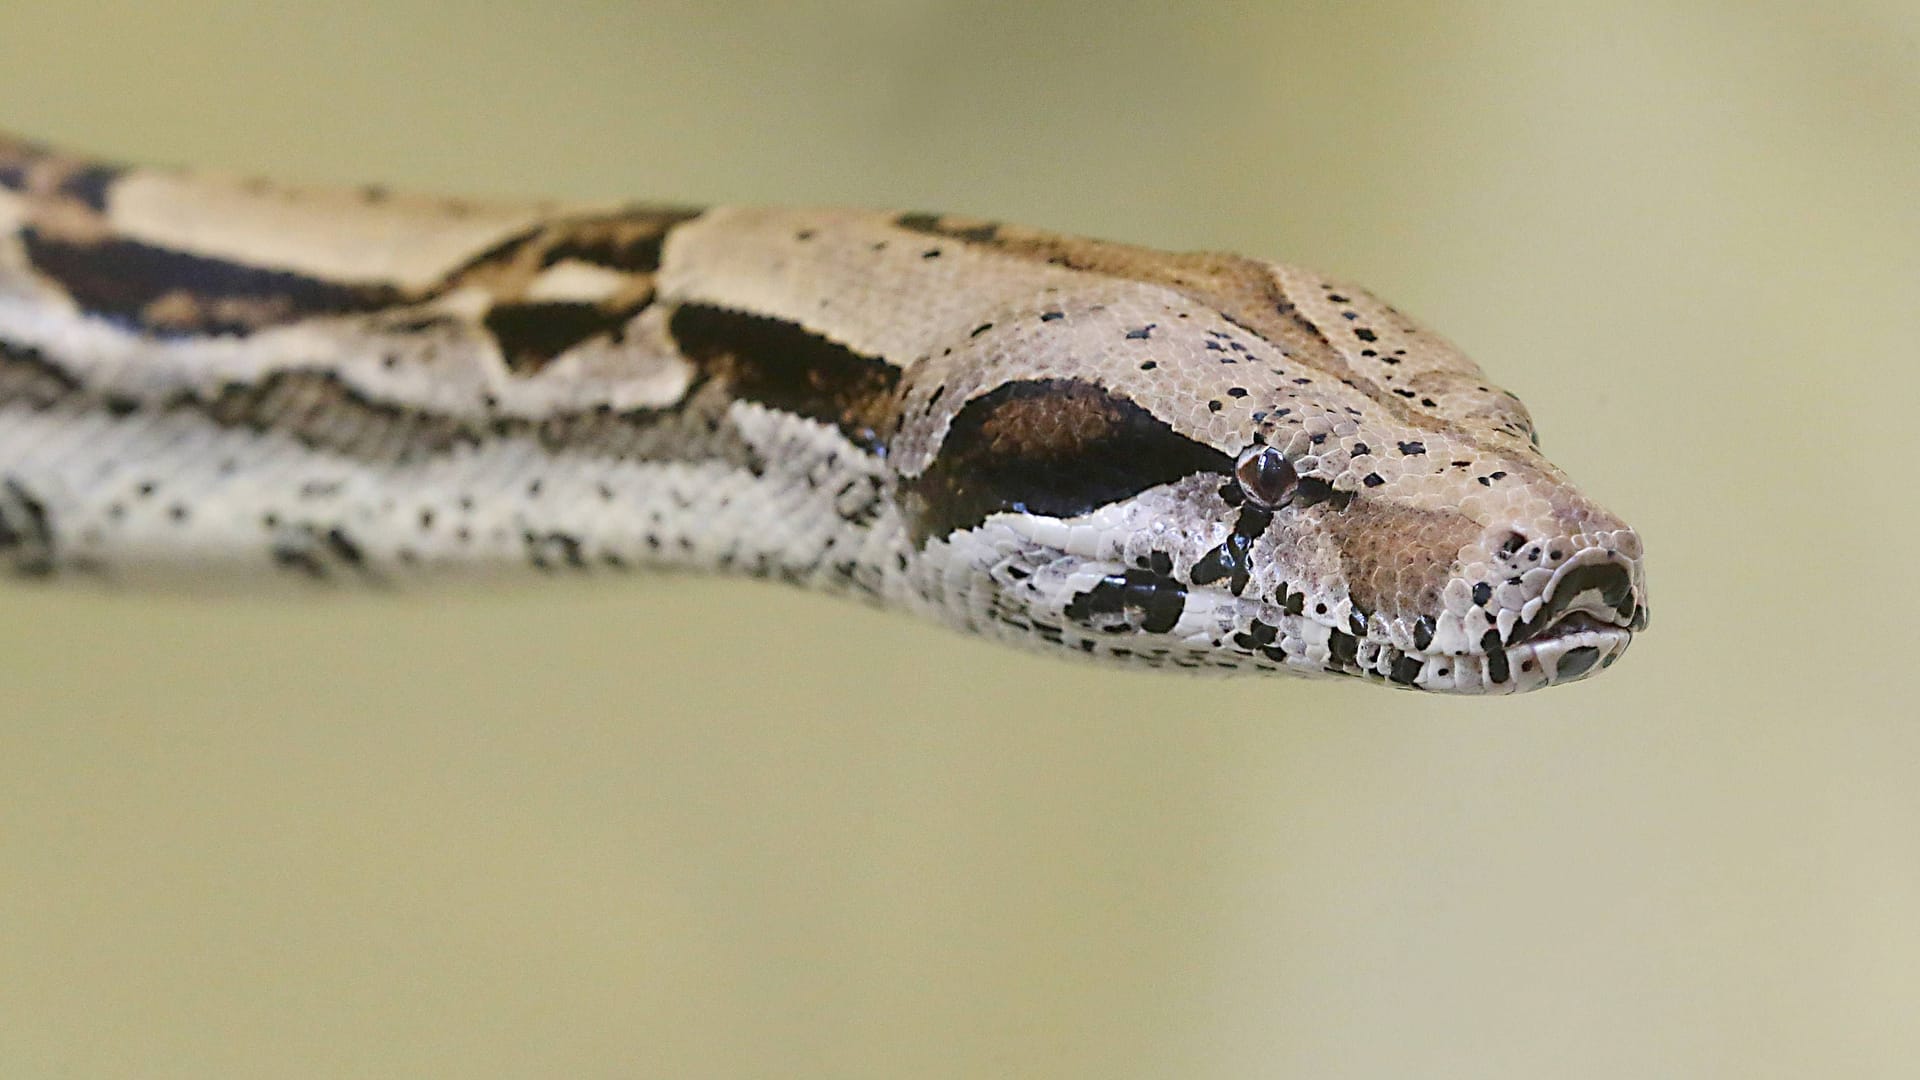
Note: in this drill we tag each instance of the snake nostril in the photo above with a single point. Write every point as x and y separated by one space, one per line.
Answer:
1513 543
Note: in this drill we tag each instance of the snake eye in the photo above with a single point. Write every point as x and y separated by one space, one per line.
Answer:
1266 476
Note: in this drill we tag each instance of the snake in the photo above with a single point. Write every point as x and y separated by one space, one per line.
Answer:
1190 461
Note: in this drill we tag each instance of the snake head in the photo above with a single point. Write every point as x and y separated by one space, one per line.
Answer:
1214 463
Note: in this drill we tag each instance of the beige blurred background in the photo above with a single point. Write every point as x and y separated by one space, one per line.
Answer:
691 828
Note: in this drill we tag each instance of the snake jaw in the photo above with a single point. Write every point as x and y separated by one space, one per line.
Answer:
1571 648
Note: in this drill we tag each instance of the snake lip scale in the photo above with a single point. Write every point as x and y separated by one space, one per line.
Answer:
1175 460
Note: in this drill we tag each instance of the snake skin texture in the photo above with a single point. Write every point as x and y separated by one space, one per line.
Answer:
1191 461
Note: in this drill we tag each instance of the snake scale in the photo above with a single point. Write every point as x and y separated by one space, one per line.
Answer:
1178 460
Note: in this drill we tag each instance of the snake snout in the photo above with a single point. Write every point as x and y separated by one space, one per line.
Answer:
1585 595
1582 620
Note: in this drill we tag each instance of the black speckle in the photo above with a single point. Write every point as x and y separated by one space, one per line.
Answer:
1148 365
1140 333
1343 648
1364 334
1052 316
1482 592
1411 448
1497 668
1372 480
1405 669
343 546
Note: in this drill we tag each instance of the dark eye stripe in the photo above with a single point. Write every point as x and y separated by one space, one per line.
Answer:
1057 447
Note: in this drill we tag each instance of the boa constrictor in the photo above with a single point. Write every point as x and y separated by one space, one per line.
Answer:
1185 460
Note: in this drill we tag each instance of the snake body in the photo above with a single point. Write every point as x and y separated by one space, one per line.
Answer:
1183 460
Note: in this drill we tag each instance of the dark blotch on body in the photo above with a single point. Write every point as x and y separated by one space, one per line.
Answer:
531 335
163 291
936 225
785 366
90 184
629 241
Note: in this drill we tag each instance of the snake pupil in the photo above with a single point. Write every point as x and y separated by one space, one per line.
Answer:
1266 476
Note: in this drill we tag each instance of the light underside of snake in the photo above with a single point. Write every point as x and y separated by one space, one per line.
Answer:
1183 460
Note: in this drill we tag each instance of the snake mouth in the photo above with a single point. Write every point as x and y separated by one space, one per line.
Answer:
1570 647
1582 623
